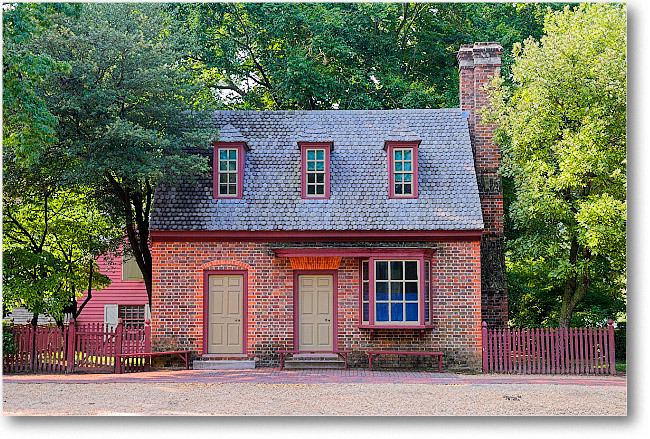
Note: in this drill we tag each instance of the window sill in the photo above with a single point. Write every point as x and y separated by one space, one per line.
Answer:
376 327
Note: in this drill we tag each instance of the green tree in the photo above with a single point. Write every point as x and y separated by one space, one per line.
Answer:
562 127
52 235
347 56
124 110
27 123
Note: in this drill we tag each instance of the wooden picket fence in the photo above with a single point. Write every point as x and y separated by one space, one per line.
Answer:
549 350
89 347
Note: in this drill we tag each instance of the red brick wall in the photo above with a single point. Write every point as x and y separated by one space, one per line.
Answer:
177 311
478 64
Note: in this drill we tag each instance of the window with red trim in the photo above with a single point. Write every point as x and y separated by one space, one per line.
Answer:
402 169
315 170
395 293
229 159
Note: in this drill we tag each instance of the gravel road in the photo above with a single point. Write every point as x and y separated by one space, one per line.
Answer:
311 399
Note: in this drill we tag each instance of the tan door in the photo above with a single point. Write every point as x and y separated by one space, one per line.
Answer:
315 294
225 327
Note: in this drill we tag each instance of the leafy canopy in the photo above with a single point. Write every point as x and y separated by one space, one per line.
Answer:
563 131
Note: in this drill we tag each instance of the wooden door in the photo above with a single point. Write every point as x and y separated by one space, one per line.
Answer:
225 314
315 305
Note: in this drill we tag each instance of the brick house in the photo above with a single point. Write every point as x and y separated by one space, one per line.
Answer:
324 230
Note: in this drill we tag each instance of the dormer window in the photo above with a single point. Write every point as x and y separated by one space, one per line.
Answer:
229 159
315 170
402 169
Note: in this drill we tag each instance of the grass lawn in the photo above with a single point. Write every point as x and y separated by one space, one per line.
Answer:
621 367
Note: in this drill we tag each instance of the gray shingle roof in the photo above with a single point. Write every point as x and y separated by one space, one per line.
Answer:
448 194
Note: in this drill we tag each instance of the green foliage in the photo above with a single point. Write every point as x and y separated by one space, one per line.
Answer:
563 131
52 234
344 55
8 343
126 109
28 125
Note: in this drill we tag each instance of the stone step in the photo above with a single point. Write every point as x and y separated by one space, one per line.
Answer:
223 364
313 364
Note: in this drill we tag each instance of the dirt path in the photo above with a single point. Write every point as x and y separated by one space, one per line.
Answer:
467 397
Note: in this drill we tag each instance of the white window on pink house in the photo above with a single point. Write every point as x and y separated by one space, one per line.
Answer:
402 169
315 170
395 293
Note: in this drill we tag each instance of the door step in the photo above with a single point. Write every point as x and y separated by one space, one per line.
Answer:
223 364
314 361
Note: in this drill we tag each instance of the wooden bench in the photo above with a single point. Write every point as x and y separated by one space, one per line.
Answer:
283 353
374 354
185 356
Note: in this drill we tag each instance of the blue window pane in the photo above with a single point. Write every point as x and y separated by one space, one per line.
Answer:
223 154
223 189
396 296
232 178
381 270
311 189
398 178
311 154
397 312
232 155
381 314
365 292
311 166
407 166
320 166
364 270
320 178
398 155
398 166
398 189
366 309
407 154
396 287
411 268
311 178
411 296
223 166
320 190
320 154
407 188
381 291
232 165
412 312
223 178
407 178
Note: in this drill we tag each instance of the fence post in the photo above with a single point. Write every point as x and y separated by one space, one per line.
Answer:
484 346
70 348
612 348
147 344
118 347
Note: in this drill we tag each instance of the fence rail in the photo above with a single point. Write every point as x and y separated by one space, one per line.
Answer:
89 347
549 350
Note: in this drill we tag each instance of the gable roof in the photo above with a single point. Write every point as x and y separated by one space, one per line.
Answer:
448 193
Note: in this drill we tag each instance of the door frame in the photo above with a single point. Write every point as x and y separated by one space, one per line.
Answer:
206 307
335 305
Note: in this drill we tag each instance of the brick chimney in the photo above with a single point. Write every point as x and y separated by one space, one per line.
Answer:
478 63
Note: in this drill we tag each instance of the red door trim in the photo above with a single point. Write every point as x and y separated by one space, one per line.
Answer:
335 307
206 298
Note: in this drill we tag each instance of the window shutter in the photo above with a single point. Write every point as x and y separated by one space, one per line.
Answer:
111 315
130 270
147 312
